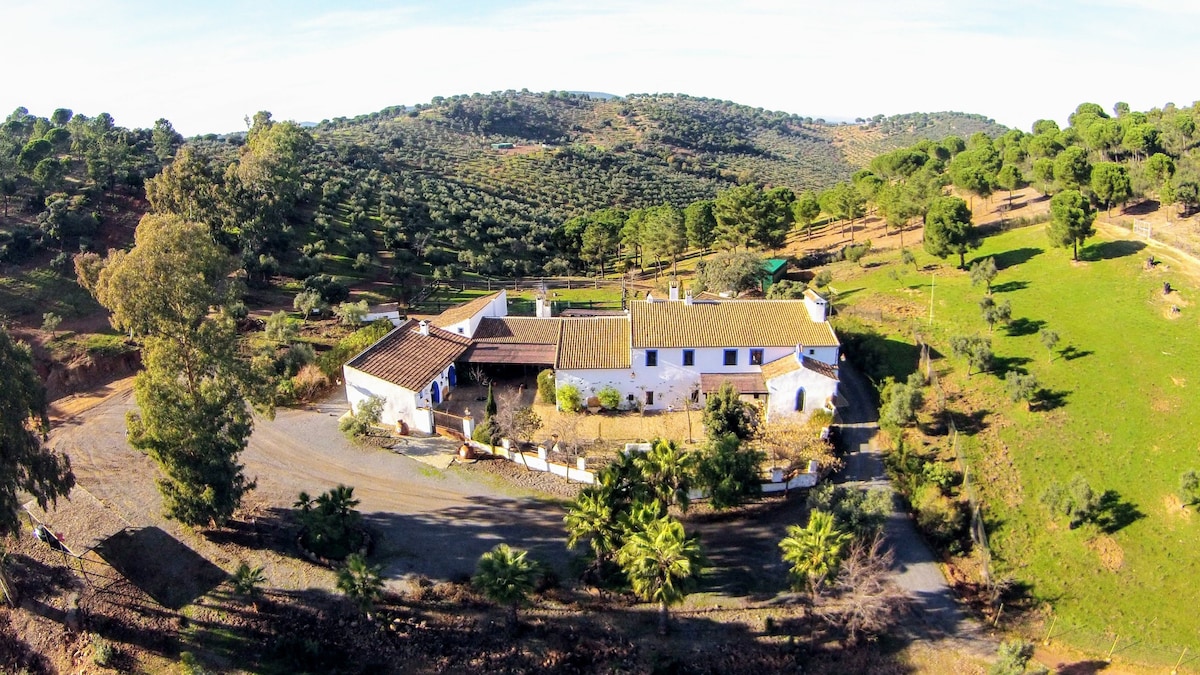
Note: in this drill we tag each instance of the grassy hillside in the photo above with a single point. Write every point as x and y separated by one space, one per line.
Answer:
1119 400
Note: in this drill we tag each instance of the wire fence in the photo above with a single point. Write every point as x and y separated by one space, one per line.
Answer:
1129 645
979 537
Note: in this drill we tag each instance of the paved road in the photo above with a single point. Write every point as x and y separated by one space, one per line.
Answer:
432 522
917 570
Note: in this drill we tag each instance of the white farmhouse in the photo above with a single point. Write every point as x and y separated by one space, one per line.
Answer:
411 369
659 354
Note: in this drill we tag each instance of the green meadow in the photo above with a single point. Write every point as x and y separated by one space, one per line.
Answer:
1120 405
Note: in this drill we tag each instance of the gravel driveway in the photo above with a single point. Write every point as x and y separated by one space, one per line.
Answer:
916 567
430 522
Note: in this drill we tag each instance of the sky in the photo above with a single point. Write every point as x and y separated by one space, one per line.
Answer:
207 65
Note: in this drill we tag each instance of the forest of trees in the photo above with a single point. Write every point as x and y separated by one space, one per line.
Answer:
61 176
593 186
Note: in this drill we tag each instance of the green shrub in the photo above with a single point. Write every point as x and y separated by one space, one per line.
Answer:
331 362
545 384
609 397
367 415
942 519
569 399
941 475
330 525
486 432
728 472
102 651
855 252
1189 487
191 665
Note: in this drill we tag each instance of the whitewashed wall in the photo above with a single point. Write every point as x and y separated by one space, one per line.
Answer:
823 354
398 403
495 309
781 401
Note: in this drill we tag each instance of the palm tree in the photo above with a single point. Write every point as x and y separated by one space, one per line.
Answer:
815 550
246 582
505 575
593 518
360 582
661 563
669 469
623 479
338 502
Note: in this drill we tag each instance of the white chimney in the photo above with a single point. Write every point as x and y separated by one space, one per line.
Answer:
423 327
818 307
649 297
687 298
542 308
673 294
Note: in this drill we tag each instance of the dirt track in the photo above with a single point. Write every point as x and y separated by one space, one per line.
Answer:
431 522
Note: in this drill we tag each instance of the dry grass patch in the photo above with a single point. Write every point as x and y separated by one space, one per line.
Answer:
1175 508
1111 555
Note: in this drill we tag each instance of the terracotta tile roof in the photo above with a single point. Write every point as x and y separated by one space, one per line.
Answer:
820 367
518 353
519 329
763 323
599 342
406 358
781 366
464 311
745 383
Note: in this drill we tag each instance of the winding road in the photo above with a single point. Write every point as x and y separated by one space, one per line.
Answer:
917 570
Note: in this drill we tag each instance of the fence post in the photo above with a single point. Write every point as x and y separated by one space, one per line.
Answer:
1046 642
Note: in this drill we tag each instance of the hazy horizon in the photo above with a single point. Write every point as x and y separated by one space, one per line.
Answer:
207 67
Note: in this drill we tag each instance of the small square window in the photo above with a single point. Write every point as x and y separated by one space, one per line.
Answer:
811 352
689 357
756 357
731 357
649 398
651 358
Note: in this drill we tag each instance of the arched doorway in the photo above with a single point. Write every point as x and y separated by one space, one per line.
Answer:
452 376
436 394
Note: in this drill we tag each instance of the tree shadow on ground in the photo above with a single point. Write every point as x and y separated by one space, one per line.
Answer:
160 565
1114 513
273 530
1010 286
1049 399
449 628
742 546
1002 365
968 423
447 543
16 655
1070 353
1142 208
843 294
1024 326
1015 257
1081 667
1120 248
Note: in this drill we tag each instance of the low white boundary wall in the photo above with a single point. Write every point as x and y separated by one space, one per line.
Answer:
579 474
